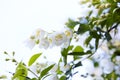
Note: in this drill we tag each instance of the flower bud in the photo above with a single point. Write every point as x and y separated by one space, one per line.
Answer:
107 5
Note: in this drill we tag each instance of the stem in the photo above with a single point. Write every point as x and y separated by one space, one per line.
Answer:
95 51
32 72
115 26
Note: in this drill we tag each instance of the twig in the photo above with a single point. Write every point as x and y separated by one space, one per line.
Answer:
94 51
115 26
32 72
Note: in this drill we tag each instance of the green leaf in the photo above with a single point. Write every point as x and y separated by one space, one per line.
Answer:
33 59
94 34
70 47
21 72
13 53
80 53
33 79
7 59
117 53
71 23
96 43
3 77
5 53
87 40
83 28
64 54
76 53
78 49
46 70
63 77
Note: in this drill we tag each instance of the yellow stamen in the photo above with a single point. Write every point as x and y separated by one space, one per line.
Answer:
67 33
58 37
38 33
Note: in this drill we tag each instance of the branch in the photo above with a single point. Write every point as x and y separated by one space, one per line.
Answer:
115 26
33 73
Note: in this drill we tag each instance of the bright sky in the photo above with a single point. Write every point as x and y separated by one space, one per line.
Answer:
19 18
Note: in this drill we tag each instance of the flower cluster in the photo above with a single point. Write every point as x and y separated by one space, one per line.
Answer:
99 67
53 73
44 39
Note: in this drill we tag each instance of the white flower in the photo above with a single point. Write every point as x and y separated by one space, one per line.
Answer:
35 38
30 42
66 44
39 33
118 78
97 74
116 43
98 78
106 65
117 60
43 43
64 67
57 38
68 32
99 55
117 69
88 65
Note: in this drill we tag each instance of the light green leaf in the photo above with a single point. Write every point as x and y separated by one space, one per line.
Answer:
3 77
33 58
45 71
21 72
78 49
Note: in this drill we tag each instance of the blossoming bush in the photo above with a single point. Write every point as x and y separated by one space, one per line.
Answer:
95 56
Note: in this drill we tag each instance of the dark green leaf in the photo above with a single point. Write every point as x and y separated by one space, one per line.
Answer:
46 70
89 52
83 28
77 53
64 53
13 60
90 12
13 53
5 52
94 34
96 43
33 59
87 40
62 78
117 52
68 72
96 64
71 23
7 59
